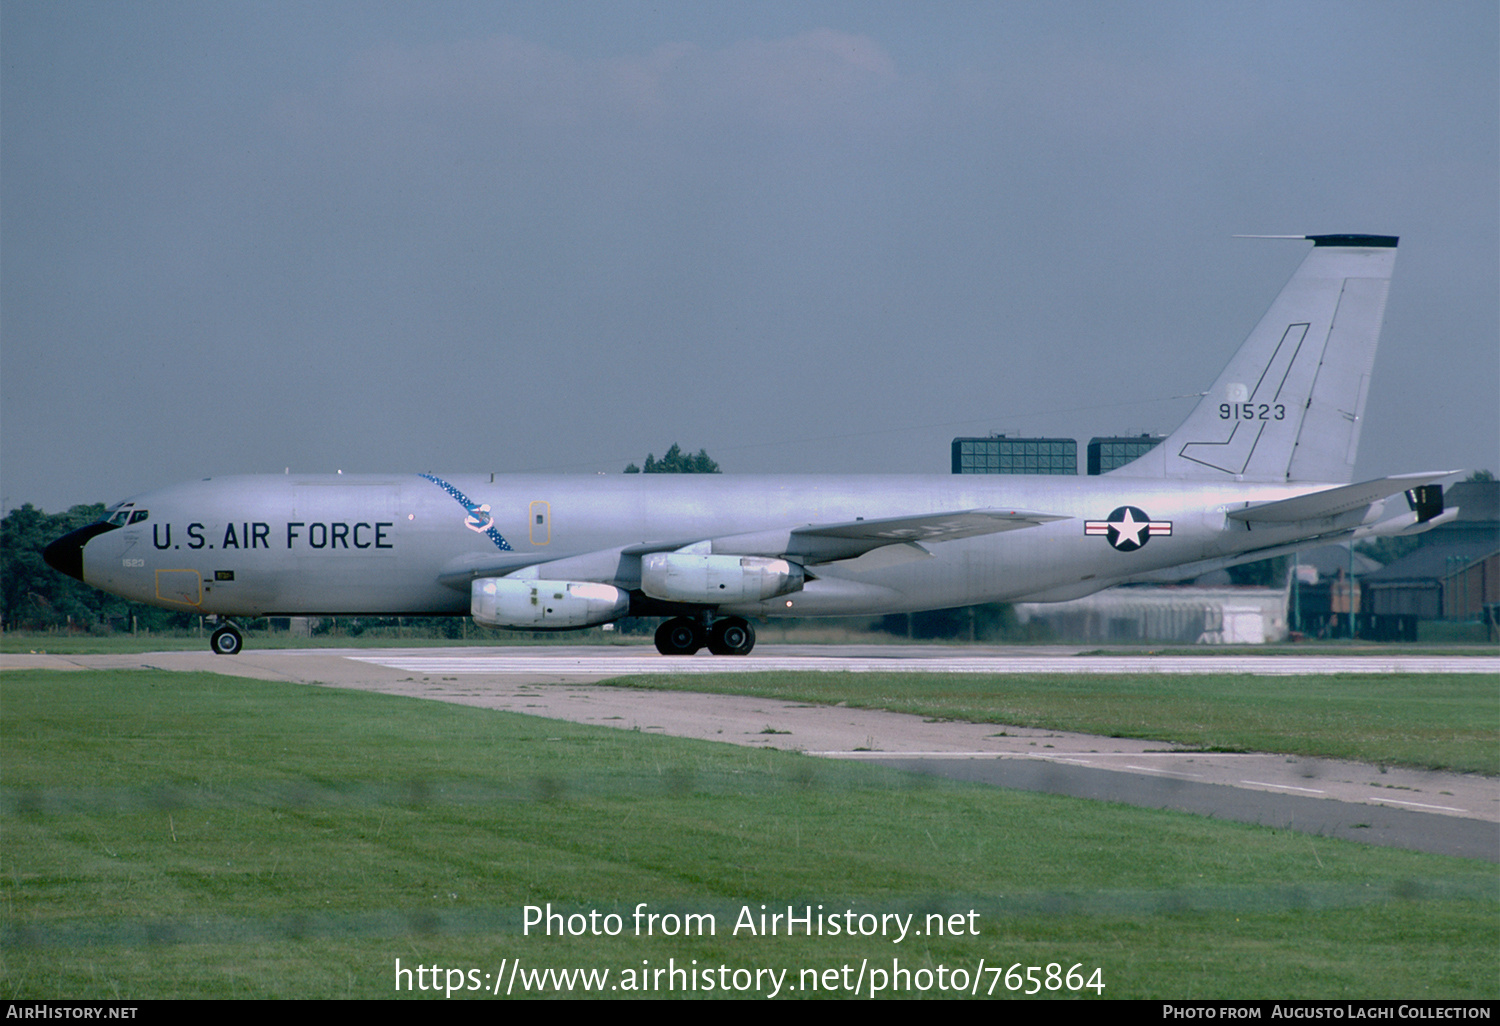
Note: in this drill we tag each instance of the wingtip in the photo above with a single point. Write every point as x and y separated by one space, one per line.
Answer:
1358 241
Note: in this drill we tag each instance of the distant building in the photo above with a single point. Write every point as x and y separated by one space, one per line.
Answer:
1183 615
1105 454
998 454
1478 522
1437 582
1321 594
1454 575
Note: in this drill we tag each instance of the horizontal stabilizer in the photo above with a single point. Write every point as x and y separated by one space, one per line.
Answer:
1332 502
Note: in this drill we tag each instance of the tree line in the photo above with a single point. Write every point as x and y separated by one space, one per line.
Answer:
676 462
33 596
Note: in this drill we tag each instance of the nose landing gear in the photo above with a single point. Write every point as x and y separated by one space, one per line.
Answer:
227 640
682 635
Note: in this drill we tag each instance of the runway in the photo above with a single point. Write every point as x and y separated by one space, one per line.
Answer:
610 662
1447 813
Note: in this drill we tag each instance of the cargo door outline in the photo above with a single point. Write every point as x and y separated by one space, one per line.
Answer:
539 522
179 587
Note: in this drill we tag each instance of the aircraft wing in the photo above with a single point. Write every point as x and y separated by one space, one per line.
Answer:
853 539
459 572
931 527
1332 502
850 539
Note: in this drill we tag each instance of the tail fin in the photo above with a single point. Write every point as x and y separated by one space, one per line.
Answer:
1289 405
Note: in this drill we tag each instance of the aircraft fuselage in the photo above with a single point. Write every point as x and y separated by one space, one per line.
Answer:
1260 467
410 544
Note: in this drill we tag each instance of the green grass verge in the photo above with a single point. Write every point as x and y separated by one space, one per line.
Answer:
1436 721
190 835
81 643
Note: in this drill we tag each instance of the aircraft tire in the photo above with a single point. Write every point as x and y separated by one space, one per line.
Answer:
226 641
679 636
731 636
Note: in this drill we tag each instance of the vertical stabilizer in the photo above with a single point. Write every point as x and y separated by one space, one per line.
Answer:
1290 404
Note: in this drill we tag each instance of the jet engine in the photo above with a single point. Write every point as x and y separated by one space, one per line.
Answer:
545 605
706 579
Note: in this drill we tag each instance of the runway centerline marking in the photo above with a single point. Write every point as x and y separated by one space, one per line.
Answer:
1419 805
1282 787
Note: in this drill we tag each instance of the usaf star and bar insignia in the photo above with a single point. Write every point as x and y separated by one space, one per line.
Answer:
1128 528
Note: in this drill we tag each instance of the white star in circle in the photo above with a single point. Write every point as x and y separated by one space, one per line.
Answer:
1129 529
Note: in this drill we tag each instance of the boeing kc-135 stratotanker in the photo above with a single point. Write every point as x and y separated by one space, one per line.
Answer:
1261 467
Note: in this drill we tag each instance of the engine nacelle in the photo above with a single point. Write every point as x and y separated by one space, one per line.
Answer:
545 605
705 579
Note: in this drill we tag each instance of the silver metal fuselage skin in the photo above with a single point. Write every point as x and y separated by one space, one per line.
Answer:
1282 421
391 545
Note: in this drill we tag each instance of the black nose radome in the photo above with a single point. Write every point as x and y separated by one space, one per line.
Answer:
66 554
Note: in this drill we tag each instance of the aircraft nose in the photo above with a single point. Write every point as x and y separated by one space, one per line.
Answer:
66 554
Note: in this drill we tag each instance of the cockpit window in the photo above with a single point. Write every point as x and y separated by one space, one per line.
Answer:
139 515
118 518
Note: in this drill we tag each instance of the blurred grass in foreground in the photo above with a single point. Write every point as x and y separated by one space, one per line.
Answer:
190 835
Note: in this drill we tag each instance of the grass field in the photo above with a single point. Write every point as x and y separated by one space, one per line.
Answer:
1437 721
177 835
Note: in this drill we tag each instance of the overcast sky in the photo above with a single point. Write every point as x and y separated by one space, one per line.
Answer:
241 237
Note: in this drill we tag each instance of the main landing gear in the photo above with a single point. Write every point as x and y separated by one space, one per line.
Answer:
227 640
682 635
